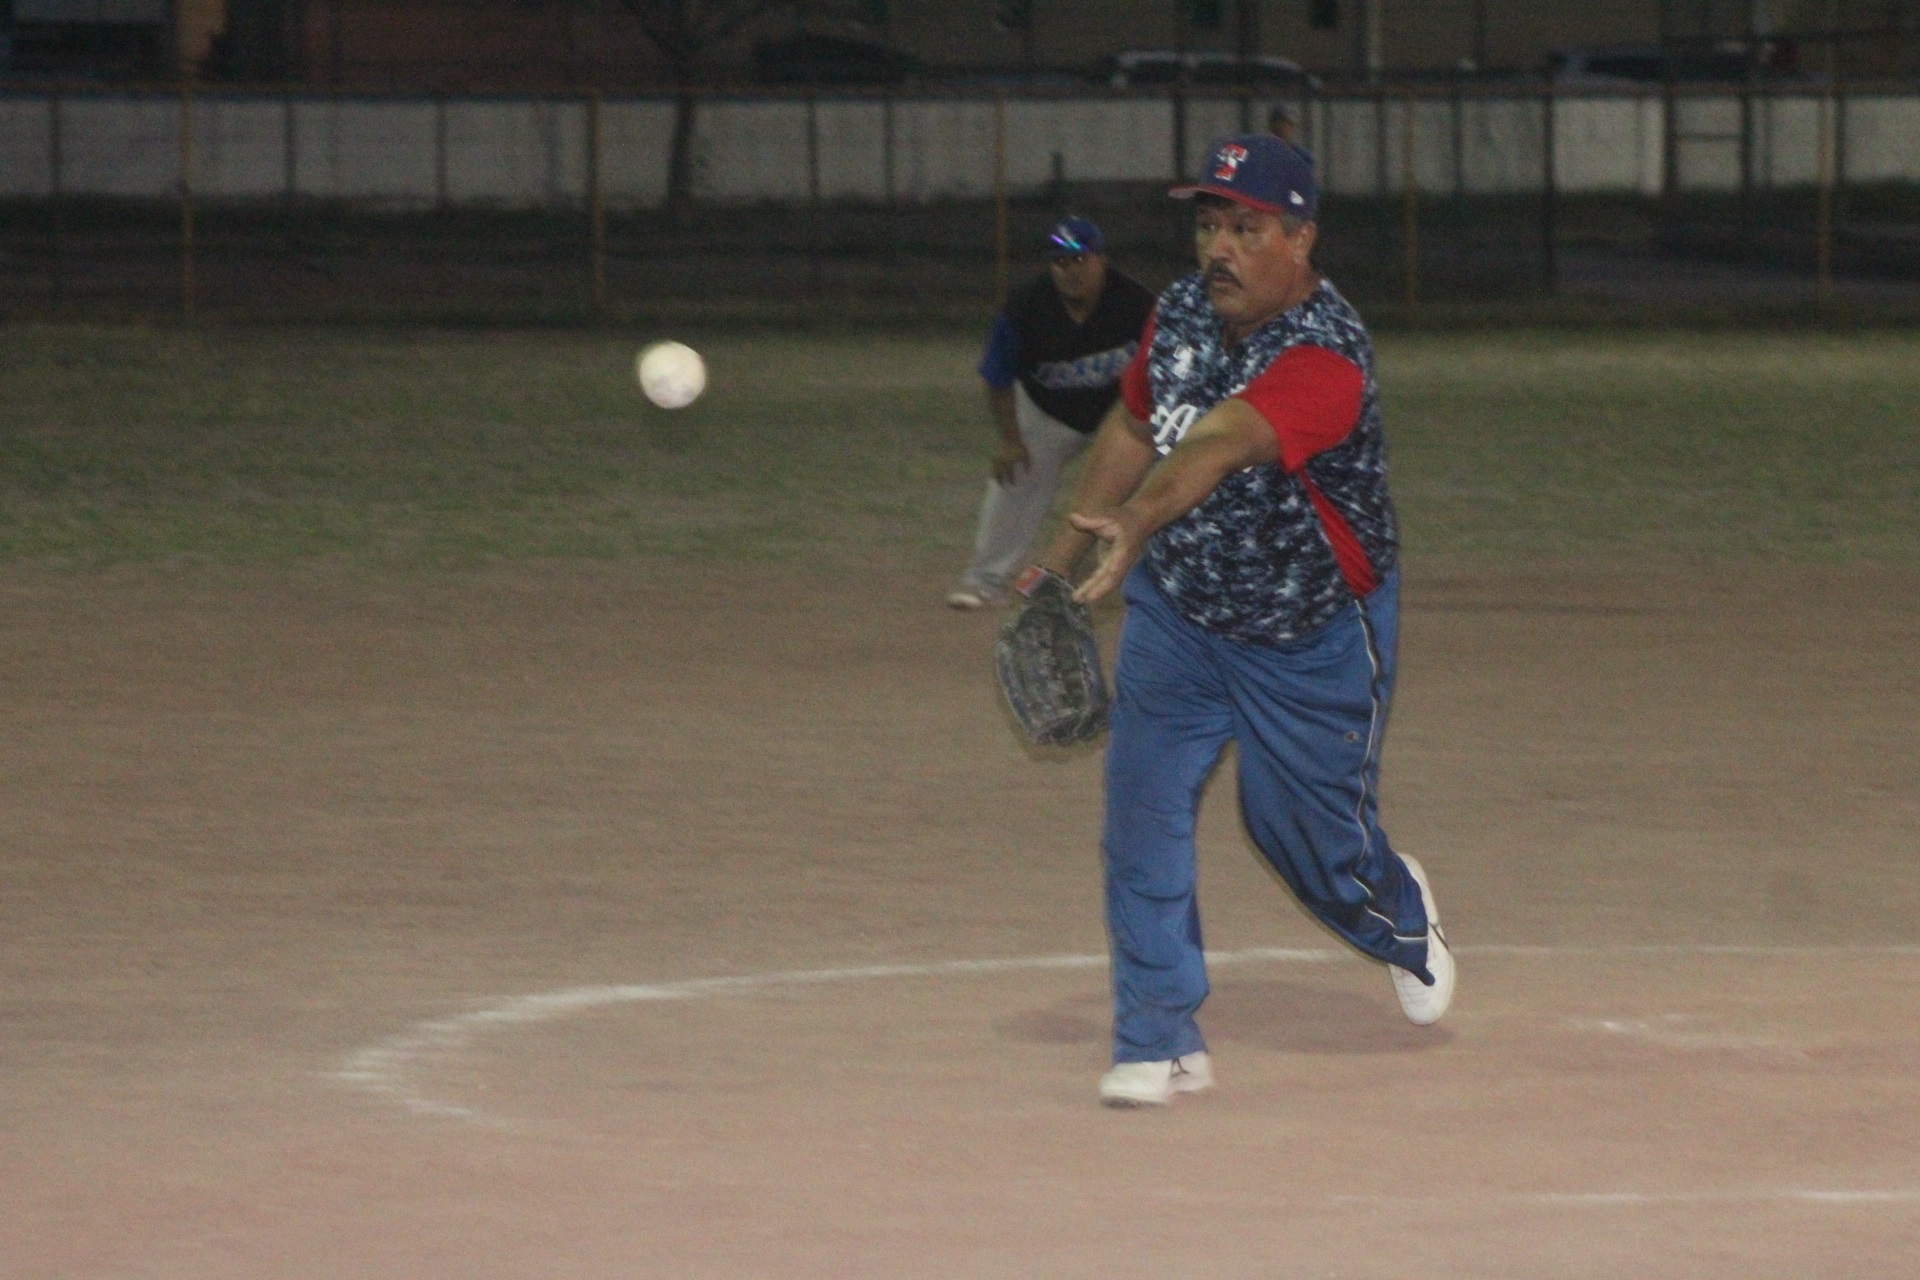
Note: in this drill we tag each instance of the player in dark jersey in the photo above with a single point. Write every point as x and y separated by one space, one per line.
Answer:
1240 490
1052 369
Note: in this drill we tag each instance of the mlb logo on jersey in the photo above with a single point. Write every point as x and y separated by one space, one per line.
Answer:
1228 161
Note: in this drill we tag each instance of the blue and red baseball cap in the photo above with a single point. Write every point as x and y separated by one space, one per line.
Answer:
1074 235
1259 171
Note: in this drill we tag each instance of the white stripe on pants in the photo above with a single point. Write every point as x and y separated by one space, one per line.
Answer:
1011 514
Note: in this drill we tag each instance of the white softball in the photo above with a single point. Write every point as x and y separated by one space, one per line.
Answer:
672 374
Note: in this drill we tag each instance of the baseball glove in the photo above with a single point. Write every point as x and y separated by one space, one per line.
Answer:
1049 666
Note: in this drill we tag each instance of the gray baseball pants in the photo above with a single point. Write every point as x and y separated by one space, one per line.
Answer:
1011 514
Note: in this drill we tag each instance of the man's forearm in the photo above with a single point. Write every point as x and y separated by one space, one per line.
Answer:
1183 481
1230 438
1121 456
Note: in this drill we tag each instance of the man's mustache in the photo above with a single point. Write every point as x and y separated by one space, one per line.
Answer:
1221 275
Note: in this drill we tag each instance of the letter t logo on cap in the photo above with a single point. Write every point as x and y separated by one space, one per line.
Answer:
1230 158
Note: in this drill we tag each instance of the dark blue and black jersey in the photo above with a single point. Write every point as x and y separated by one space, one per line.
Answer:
1070 371
1275 551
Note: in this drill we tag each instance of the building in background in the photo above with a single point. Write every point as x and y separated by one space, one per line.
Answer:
88 39
534 45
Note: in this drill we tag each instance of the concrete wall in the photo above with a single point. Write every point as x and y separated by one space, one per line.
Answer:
118 146
533 152
1883 137
634 138
25 162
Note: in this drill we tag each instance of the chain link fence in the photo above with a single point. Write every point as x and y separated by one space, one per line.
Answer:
295 206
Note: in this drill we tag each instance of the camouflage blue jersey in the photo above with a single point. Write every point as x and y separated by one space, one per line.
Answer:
1276 550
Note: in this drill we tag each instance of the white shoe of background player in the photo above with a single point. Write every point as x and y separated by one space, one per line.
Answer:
1424 1004
976 595
1153 1084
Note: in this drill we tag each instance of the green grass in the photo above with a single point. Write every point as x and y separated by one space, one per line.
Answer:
1804 446
418 448
435 448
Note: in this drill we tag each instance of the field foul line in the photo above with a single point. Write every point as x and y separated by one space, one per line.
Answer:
382 1068
1655 1199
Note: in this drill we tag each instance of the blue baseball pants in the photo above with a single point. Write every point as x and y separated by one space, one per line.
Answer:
1307 719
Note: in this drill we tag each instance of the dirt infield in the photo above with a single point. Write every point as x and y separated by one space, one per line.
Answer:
362 927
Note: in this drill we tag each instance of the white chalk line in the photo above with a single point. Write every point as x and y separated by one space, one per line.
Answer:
382 1068
1686 1032
1658 1199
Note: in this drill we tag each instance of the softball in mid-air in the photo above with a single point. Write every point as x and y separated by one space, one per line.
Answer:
672 374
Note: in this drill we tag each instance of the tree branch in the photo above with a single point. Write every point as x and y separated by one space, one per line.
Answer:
685 30
734 16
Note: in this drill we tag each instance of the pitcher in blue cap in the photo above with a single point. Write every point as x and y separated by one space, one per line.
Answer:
1052 370
1238 495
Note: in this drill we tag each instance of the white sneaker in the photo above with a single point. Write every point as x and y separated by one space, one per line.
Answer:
975 595
1153 1084
1424 1004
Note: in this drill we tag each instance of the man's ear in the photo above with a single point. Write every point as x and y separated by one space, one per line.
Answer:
1304 241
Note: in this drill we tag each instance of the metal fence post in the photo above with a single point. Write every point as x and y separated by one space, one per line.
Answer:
187 299
1749 214
1457 204
1319 124
1458 108
1549 193
1833 139
1823 211
596 205
1841 115
1002 266
56 162
56 183
440 151
1310 126
1669 148
1380 142
889 181
1746 142
1179 133
813 194
1382 236
1410 199
1766 106
289 145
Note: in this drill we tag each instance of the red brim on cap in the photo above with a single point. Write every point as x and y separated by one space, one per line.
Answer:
1225 193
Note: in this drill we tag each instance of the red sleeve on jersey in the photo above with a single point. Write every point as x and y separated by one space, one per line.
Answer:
1133 381
1311 396
1347 551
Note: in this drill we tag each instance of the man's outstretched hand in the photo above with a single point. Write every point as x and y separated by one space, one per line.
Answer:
1125 536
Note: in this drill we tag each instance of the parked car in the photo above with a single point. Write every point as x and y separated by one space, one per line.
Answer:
1144 67
1730 62
815 59
1013 78
84 50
